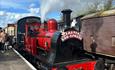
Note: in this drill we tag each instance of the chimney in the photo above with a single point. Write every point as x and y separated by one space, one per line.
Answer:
67 17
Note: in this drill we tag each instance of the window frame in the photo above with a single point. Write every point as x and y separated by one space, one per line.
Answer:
113 40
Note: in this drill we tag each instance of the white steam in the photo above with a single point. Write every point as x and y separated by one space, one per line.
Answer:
79 7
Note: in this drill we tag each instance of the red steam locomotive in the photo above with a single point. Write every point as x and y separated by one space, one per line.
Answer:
51 49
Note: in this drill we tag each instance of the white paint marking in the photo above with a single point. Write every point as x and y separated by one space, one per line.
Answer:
29 64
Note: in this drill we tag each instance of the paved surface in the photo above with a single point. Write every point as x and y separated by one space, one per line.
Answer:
9 60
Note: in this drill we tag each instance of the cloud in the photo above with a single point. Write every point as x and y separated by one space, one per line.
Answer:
2 13
18 4
10 17
32 5
34 10
13 10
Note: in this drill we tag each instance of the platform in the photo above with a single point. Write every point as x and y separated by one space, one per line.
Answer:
10 60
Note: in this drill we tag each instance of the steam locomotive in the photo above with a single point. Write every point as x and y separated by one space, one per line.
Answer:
52 49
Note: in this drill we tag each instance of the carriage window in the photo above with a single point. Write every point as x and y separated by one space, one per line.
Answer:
32 30
113 41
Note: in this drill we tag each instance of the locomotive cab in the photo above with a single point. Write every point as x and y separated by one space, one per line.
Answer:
32 27
22 26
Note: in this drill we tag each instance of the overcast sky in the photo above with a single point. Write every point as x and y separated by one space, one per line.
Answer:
12 10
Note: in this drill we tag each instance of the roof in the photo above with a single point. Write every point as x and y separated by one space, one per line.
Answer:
100 14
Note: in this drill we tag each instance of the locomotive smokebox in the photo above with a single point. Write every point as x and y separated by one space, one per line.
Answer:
67 17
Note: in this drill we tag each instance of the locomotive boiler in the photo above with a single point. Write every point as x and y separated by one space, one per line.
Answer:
51 49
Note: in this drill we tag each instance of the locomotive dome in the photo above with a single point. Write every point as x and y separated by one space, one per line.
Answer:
52 21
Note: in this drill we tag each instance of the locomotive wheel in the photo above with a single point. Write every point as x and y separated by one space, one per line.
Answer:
38 65
110 66
100 65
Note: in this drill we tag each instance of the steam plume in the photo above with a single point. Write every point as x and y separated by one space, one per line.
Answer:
79 7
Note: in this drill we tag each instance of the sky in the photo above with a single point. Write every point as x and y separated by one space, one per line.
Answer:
13 10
